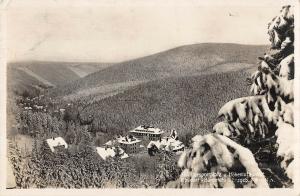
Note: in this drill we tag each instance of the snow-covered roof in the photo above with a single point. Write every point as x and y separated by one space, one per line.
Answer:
147 129
129 139
167 144
106 152
54 142
177 145
124 156
109 143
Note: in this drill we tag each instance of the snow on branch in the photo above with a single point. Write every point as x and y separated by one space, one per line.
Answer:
254 144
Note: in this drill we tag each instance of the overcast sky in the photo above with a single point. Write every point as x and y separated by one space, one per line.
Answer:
53 31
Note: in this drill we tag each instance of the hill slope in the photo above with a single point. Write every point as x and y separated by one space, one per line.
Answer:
182 61
25 75
187 104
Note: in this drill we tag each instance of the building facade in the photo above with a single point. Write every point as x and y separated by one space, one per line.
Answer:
147 133
129 144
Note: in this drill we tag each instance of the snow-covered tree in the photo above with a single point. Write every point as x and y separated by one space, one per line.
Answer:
254 144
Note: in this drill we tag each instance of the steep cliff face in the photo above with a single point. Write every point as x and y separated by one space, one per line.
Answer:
253 146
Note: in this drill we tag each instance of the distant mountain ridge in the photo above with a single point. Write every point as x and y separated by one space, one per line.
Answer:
188 60
26 75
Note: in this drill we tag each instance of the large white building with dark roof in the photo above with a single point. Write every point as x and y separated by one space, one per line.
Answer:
144 132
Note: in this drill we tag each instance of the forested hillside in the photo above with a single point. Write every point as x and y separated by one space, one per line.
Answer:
182 61
187 104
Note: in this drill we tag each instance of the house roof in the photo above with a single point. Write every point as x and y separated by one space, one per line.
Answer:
109 143
54 142
128 139
167 144
106 152
147 129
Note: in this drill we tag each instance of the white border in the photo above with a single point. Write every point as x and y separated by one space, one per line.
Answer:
211 192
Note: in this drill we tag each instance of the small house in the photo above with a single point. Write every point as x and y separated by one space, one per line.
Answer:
111 151
57 142
169 143
38 107
62 111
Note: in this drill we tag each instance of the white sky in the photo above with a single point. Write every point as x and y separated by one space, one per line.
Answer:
106 32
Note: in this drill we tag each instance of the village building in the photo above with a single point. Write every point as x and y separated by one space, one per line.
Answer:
147 133
62 111
108 151
57 142
110 143
169 143
129 143
38 107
